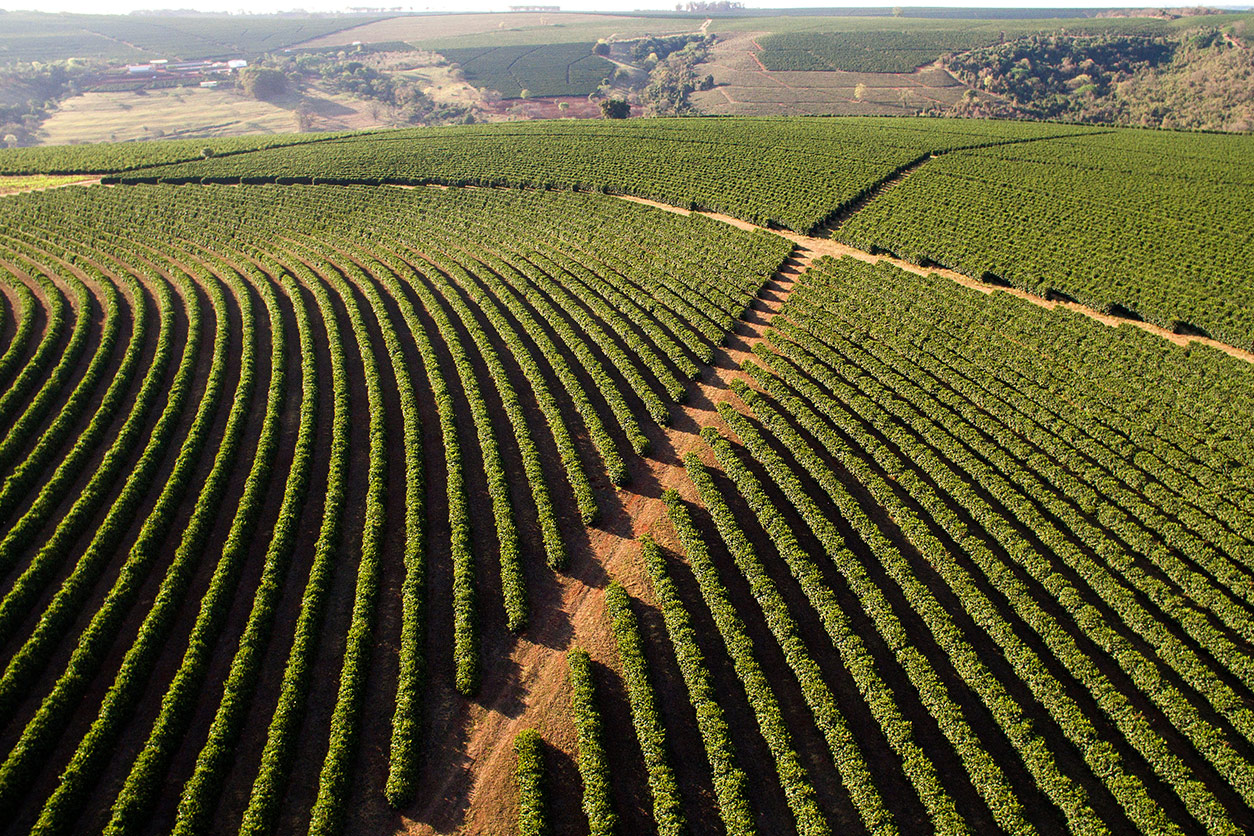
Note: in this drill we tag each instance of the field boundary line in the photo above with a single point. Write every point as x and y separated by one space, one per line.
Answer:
826 245
823 245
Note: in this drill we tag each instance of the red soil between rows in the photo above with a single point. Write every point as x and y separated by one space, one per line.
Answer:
475 791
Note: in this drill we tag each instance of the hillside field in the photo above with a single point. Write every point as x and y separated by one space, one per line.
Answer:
661 476
75 78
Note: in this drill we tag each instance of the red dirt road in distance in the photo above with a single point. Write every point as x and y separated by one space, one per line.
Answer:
754 55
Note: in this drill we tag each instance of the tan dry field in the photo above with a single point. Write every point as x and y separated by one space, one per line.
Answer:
437 79
194 112
746 88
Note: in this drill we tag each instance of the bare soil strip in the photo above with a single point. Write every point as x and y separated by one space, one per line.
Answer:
820 246
21 184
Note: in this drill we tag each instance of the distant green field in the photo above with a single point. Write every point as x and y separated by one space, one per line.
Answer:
902 44
31 36
1020 25
1152 223
866 52
546 70
34 36
115 157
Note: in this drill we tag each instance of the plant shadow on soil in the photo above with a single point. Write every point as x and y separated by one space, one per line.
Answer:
623 510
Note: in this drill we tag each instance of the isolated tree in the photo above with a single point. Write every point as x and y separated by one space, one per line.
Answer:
262 83
615 108
10 140
859 91
601 48
206 152
563 106
304 119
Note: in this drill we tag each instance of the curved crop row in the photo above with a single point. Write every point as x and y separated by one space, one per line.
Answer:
57 617
38 451
466 654
328 809
730 784
668 812
25 315
470 281
196 803
554 548
137 665
276 756
477 284
22 433
50 346
135 797
822 703
593 768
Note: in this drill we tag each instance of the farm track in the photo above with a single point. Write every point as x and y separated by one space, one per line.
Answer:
826 245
